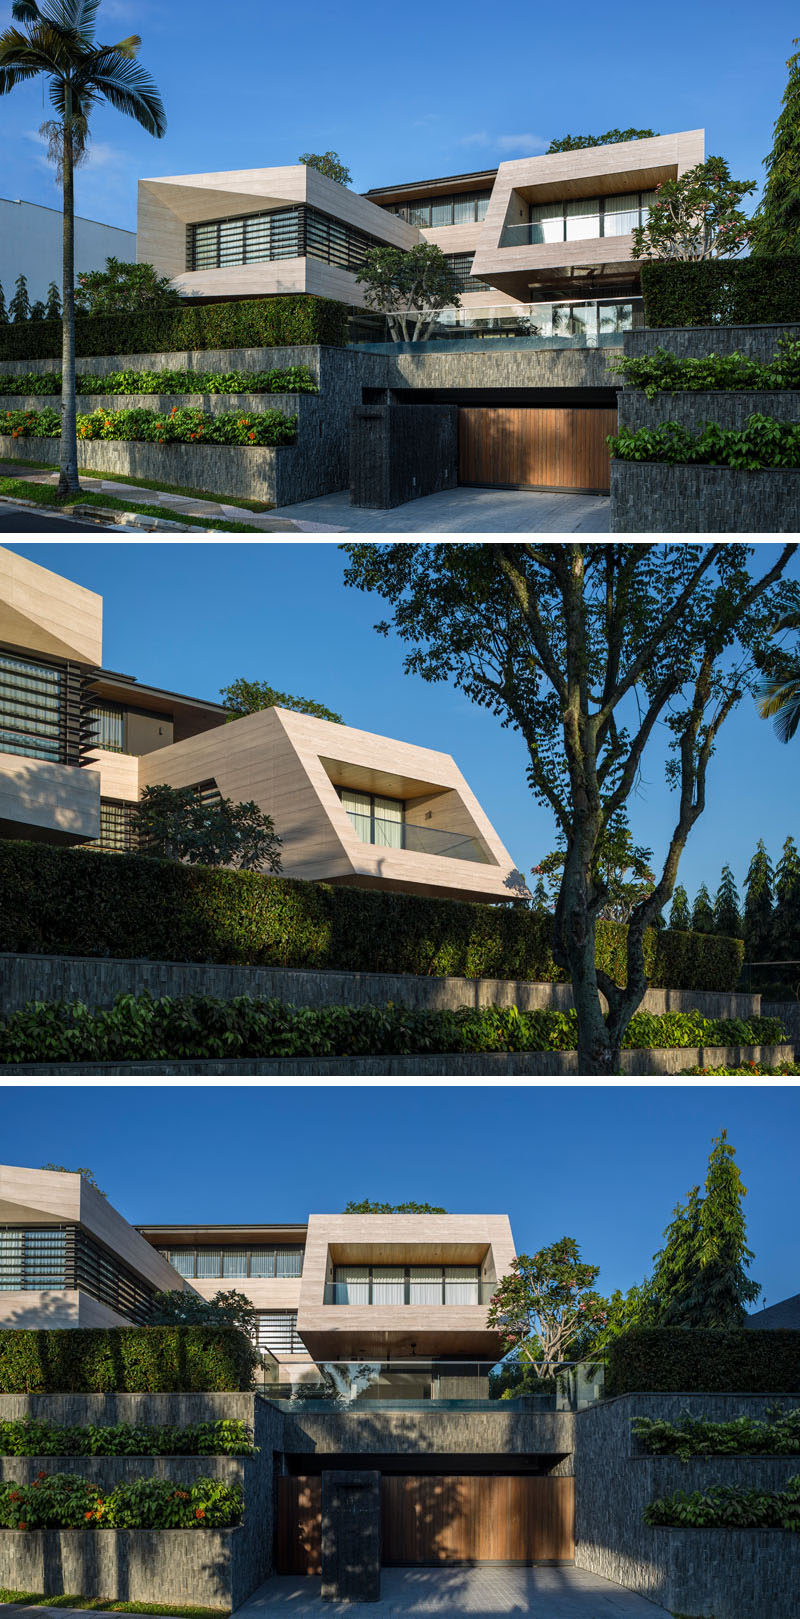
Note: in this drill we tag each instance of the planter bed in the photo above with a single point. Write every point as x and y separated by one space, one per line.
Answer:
693 408
222 469
159 403
214 1568
654 497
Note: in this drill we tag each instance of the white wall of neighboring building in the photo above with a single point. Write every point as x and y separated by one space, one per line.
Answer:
30 245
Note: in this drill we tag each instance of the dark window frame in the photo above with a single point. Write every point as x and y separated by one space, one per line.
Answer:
407 1269
248 1251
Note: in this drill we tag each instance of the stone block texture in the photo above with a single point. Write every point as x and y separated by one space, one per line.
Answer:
400 452
181 1566
697 342
653 498
351 1536
694 409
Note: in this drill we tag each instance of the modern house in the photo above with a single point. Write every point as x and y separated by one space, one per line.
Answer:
541 245
31 245
79 742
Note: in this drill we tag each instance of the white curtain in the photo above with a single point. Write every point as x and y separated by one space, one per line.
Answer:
425 1285
389 823
461 1285
351 1284
583 219
208 1264
388 1284
622 214
358 808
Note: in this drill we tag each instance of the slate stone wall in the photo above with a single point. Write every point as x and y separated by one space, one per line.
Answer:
446 1432
401 452
697 342
653 498
693 409
351 1536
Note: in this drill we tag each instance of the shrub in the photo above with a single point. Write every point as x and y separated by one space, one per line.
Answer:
138 1028
676 1360
778 1435
761 443
81 902
728 1506
182 425
663 372
279 322
716 292
124 1360
294 379
31 1437
66 1501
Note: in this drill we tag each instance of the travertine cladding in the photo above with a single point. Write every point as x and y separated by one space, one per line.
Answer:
651 497
431 1433
697 342
614 1482
46 613
694 409
98 980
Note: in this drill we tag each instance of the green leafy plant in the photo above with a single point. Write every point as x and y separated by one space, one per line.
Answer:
66 1501
683 1360
139 1028
409 287
329 164
124 287
81 902
283 321
186 424
291 379
251 696
545 1309
728 1506
720 292
366 1207
174 823
612 137
761 443
665 372
696 216
227 1308
29 1436
124 1360
777 216
87 1174
778 1434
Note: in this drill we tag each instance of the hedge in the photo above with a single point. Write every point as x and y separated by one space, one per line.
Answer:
720 292
188 424
29 1436
81 902
124 1360
777 1435
295 379
141 1029
280 322
67 1501
675 1360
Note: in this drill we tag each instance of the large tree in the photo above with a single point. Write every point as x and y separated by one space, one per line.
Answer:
786 915
329 164
546 1309
700 1277
175 823
589 651
124 287
410 288
697 216
777 217
622 866
758 904
727 915
58 44
680 917
250 696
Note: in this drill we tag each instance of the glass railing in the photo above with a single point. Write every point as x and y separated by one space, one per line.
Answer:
384 834
411 1385
588 323
455 1295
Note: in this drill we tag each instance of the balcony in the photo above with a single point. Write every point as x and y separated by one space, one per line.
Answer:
439 1292
423 1385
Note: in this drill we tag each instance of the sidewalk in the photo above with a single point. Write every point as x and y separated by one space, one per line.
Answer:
174 506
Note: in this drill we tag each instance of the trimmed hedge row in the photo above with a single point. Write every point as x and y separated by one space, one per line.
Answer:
720 292
67 1501
80 902
279 322
31 1437
674 1360
124 1360
141 1029
293 379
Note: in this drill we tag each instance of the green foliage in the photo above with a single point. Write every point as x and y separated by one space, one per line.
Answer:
621 868
188 424
680 916
761 443
735 292
727 917
3 309
545 1308
38 311
283 321
779 688
728 1506
138 1028
758 904
409 287
225 1309
696 217
365 1207
250 696
329 164
664 372
673 1360
700 1278
576 143
777 217
173 823
87 1174
67 1501
777 1435
40 1599
124 287
786 915
19 308
124 1360
295 379
53 305
702 912
28 1436
79 902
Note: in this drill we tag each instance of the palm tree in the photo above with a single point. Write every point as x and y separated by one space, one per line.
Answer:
780 690
58 42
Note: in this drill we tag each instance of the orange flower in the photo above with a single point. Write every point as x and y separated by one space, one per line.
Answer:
199 1512
88 1514
22 1526
251 435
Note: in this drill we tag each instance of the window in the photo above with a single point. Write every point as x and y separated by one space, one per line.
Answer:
584 218
430 213
277 1331
67 1258
32 1261
116 827
376 819
461 265
213 1262
281 233
31 705
108 724
405 1284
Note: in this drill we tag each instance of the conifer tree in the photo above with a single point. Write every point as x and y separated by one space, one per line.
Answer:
777 217
676 1264
786 915
3 310
724 1289
20 305
702 912
53 305
727 918
38 311
758 904
680 915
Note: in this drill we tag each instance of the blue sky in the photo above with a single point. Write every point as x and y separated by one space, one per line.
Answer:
606 1165
193 617
407 94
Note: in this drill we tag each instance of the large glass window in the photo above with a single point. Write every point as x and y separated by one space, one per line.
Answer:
258 1262
376 819
461 265
583 218
31 708
351 1285
428 213
277 1331
280 233
32 1261
108 727
391 1285
388 1284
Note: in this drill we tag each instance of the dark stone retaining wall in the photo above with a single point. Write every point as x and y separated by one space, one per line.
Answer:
694 408
697 342
208 1567
650 497
445 1433
615 1480
401 452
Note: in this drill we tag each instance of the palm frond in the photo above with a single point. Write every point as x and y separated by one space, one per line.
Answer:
15 73
780 702
127 85
25 11
129 46
75 17
42 47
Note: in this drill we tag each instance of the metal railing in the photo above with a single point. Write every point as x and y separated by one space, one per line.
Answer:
385 834
425 1384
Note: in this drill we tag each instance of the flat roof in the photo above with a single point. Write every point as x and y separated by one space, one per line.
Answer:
157 696
419 188
199 1235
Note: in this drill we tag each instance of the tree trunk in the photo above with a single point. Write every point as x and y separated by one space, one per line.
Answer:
575 949
68 482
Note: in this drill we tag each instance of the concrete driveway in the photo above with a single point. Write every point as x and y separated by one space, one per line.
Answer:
487 1592
457 511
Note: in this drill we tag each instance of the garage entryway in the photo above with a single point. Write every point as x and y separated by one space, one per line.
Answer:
433 1519
449 1593
532 447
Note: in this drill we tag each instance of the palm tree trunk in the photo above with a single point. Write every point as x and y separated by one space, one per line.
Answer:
68 465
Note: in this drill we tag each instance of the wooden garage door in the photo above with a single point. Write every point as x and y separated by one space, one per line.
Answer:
464 1519
298 1539
518 446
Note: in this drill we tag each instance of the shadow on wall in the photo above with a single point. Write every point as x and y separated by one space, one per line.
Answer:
32 791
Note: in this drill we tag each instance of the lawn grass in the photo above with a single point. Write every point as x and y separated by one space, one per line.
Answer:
151 483
47 495
35 1599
